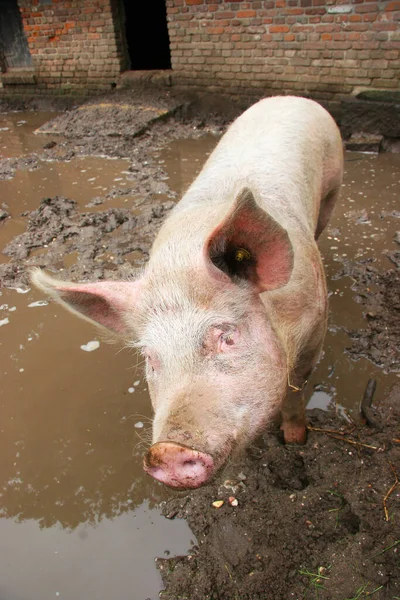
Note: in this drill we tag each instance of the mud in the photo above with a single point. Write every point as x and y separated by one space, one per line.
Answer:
72 490
310 522
57 230
379 294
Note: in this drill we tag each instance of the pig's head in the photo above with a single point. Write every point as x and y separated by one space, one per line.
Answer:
215 366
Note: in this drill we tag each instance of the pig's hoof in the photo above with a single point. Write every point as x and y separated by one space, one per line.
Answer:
294 433
177 465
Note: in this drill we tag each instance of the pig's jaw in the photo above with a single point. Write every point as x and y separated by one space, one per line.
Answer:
178 466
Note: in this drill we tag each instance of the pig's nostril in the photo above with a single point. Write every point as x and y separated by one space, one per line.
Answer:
192 469
177 465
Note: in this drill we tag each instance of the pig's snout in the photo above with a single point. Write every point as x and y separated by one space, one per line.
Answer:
177 465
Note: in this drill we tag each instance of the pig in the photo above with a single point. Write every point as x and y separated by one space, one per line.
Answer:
230 312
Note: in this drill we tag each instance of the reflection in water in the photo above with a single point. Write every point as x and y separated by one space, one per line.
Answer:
81 179
368 205
16 132
69 440
113 559
320 399
71 461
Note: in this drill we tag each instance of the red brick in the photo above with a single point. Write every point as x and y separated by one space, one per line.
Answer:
215 30
370 17
392 6
278 29
362 8
246 14
294 11
224 15
327 28
384 26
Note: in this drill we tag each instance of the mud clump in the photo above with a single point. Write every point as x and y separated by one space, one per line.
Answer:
8 166
80 245
379 293
300 527
112 125
3 214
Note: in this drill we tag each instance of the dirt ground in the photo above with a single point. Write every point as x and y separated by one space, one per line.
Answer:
319 521
309 523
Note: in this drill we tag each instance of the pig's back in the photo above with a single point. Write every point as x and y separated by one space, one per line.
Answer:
285 149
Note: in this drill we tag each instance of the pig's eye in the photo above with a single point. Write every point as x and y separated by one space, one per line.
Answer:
220 338
227 339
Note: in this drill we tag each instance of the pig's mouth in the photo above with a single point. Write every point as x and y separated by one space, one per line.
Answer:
179 466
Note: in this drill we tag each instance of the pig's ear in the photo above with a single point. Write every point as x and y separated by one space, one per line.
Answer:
249 244
104 303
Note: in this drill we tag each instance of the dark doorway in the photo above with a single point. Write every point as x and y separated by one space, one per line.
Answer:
147 34
13 44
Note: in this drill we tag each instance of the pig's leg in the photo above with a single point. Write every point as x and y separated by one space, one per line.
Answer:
293 411
293 415
325 210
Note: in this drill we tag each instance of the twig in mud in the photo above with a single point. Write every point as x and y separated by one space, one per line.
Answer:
359 444
320 430
369 393
229 573
350 418
396 483
365 406
336 435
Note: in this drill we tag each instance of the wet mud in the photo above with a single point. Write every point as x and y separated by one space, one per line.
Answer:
75 418
379 339
72 488
309 522
56 231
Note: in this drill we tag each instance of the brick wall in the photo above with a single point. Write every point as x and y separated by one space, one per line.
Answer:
321 48
74 44
316 47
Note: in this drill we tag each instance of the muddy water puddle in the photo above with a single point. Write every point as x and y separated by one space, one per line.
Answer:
78 517
74 424
363 227
82 179
17 132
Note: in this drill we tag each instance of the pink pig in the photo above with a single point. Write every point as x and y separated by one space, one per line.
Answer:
230 312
